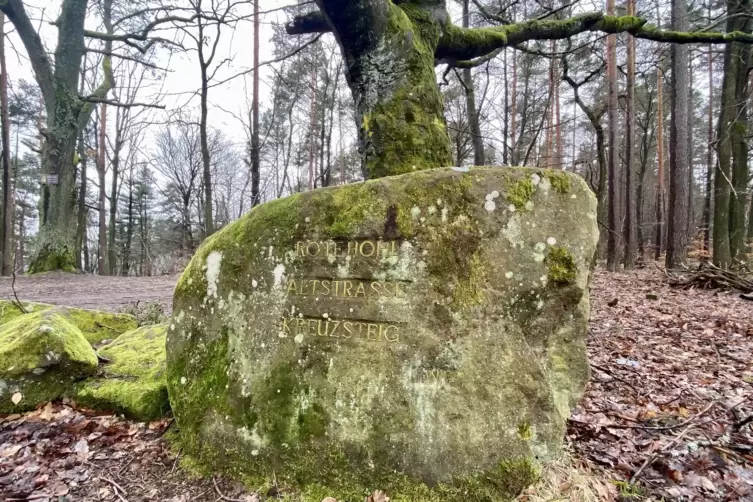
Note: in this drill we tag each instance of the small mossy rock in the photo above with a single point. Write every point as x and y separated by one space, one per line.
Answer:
133 381
96 325
423 334
41 355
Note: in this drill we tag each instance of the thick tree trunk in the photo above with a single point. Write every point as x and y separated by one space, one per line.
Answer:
677 213
390 71
56 243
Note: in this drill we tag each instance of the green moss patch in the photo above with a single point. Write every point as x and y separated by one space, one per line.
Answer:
562 268
133 381
96 325
41 354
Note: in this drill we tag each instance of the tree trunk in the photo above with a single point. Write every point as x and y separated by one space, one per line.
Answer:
690 231
129 231
709 154
6 230
730 132
628 231
470 103
255 162
390 72
103 267
112 254
739 131
659 235
677 213
614 147
312 126
205 157
81 207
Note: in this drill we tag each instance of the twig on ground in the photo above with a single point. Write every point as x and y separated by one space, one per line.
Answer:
17 303
116 487
742 423
175 462
664 427
650 460
223 496
618 378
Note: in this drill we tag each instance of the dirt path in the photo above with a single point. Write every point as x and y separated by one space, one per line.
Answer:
91 291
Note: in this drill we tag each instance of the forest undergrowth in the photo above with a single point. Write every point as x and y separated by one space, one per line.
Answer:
667 415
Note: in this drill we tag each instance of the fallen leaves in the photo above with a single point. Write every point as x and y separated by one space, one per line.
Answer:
671 382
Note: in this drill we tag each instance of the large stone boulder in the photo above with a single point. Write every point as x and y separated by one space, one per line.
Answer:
132 380
422 334
41 355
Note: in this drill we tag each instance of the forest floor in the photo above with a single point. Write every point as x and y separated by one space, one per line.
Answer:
669 404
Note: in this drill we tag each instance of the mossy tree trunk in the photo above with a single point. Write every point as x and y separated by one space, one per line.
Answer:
390 49
67 113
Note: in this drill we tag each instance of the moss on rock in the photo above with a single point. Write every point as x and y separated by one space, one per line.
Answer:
96 325
41 354
562 267
133 382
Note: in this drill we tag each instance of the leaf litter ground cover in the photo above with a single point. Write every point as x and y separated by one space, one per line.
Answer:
669 404
668 407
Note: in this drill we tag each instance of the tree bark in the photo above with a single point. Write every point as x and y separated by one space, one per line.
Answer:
677 213
470 103
6 230
255 162
659 206
111 251
103 267
730 142
628 230
81 207
709 154
614 147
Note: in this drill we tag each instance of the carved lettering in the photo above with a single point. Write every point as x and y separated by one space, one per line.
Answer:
332 328
346 288
356 249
